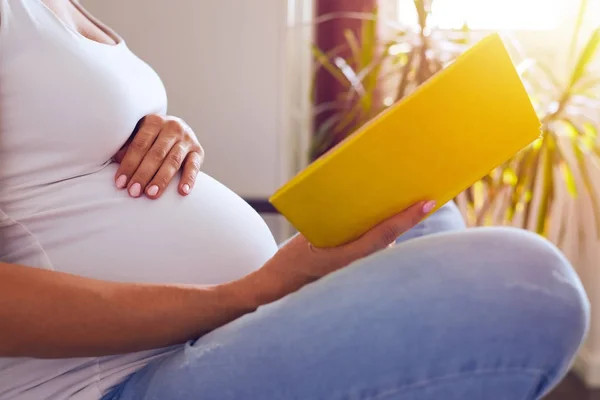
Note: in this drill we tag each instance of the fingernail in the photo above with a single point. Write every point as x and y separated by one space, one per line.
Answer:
135 190
121 181
152 190
427 207
186 188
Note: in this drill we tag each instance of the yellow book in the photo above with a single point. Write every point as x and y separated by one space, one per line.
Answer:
450 132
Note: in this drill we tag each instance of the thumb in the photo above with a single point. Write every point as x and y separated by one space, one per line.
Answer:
384 234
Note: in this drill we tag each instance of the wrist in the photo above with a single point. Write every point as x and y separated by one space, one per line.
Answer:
266 285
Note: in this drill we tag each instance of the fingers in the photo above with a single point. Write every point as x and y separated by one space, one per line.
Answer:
160 153
382 235
140 145
168 168
158 150
191 167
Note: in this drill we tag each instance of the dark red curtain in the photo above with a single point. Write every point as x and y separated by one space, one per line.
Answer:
329 35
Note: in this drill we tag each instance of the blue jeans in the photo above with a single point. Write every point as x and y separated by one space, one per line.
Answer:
448 313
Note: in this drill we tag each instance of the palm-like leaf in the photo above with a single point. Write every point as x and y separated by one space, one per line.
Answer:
588 54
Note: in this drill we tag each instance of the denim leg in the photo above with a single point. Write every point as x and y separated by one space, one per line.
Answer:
446 218
488 313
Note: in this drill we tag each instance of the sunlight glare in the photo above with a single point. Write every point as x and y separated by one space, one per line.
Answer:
489 14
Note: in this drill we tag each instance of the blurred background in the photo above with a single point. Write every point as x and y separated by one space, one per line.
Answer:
269 85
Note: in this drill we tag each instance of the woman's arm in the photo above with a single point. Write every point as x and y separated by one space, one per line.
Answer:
47 314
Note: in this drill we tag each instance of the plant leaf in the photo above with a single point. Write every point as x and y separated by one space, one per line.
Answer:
590 130
348 118
317 64
353 44
403 83
530 180
352 77
325 107
569 179
587 55
546 191
509 177
326 63
470 205
363 16
563 164
551 77
376 64
586 84
587 181
368 54
578 25
422 12
523 160
323 138
470 197
562 231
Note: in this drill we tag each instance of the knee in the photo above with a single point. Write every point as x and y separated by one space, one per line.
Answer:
539 261
552 298
524 294
506 294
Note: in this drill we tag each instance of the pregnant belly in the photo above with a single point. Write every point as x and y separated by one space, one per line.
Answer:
88 227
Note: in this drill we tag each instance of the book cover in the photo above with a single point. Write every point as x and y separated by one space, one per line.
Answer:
450 132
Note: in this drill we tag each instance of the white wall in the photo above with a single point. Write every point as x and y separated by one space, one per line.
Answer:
222 62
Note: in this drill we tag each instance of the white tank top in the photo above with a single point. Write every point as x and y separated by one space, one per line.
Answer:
67 104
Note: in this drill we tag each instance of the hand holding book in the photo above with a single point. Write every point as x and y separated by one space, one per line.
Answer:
453 130
299 262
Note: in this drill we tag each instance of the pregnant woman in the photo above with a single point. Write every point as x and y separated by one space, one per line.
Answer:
121 280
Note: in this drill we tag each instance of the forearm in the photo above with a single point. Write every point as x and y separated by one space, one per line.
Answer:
48 314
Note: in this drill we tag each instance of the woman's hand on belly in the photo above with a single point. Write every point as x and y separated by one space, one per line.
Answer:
160 146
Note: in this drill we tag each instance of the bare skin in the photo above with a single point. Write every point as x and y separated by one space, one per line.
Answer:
160 147
73 18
